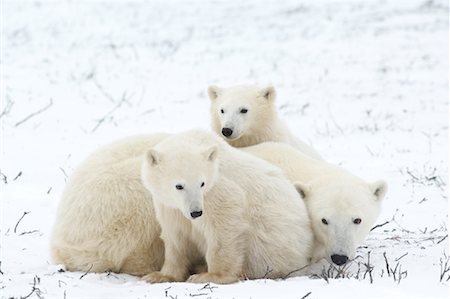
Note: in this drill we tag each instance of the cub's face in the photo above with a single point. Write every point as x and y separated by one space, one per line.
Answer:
240 111
180 178
342 216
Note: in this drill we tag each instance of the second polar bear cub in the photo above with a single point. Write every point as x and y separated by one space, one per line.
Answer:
246 115
220 205
342 207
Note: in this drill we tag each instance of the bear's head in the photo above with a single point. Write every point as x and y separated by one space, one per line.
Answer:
342 215
241 111
179 175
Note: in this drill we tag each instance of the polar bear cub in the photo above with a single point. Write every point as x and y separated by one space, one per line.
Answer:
105 219
342 207
246 115
219 204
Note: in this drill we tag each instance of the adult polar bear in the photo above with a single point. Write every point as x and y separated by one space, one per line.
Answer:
342 207
246 115
106 219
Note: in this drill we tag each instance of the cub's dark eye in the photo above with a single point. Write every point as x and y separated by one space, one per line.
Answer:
221 111
243 110
324 221
357 221
202 184
179 187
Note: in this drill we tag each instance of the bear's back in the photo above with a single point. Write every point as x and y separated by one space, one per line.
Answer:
296 165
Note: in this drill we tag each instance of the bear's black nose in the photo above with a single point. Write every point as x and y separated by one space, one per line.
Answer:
227 132
339 259
196 214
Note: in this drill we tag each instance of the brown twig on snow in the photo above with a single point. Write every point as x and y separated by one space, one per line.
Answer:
87 272
334 120
4 177
34 289
397 273
199 294
387 264
17 224
110 112
166 291
64 173
208 286
293 271
379 225
441 240
324 275
341 271
369 268
35 113
445 268
7 108
18 175
423 200
306 295
29 232
103 91
399 258
412 175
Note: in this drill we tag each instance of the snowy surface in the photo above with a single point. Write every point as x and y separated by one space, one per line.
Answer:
365 82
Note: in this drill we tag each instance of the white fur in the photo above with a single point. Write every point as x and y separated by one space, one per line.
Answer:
259 123
105 217
254 223
253 220
330 193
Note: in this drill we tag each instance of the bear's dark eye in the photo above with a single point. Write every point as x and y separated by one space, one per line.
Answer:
179 187
202 184
243 110
357 221
324 221
221 111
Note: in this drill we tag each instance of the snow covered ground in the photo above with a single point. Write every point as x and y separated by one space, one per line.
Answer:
366 82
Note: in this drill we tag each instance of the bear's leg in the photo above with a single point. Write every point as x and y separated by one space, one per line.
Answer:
176 262
225 263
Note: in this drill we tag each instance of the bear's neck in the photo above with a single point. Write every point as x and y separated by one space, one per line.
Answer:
275 130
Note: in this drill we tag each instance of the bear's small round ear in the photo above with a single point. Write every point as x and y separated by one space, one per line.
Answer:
214 92
153 157
211 153
379 189
268 93
302 189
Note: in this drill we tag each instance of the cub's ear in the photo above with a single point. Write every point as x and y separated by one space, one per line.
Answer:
211 153
153 157
214 92
268 93
379 189
302 189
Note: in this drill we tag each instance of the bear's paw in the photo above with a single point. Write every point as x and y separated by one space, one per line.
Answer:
158 277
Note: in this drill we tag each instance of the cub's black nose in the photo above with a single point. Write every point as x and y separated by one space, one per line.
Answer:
339 259
227 132
196 214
